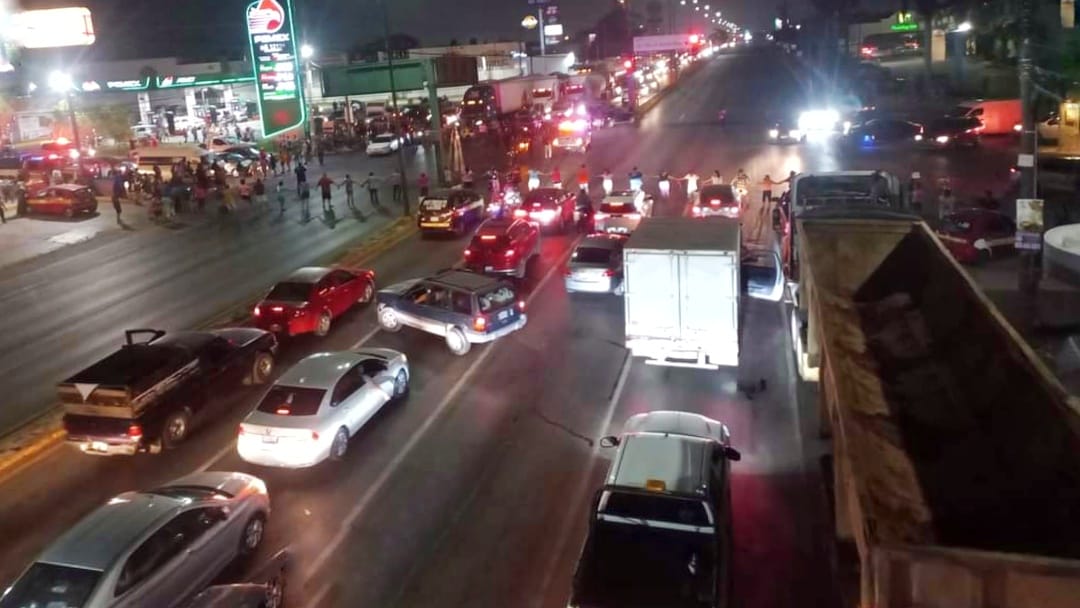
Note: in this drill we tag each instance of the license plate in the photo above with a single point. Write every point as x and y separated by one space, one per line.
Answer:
489 268
269 439
618 229
99 446
503 315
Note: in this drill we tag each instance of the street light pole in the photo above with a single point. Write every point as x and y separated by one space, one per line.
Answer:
75 134
394 109
1028 278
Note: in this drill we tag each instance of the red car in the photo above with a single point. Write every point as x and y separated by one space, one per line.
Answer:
308 300
549 207
977 235
503 246
67 200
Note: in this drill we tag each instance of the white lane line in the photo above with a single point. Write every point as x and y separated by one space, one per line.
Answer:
390 470
367 337
582 488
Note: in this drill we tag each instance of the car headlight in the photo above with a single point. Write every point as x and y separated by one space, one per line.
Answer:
774 133
942 139
795 134
918 137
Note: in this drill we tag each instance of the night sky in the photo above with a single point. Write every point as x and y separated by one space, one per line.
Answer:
209 28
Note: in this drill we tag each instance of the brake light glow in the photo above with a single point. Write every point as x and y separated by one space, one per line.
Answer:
314 435
240 430
715 201
468 252
697 210
284 411
609 273
134 431
509 253
521 305
487 237
480 323
257 311
277 308
459 212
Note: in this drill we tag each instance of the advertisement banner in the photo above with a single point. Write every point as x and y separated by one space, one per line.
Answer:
643 45
1029 223
277 69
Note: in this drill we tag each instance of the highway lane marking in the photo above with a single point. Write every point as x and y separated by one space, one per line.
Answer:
391 469
583 485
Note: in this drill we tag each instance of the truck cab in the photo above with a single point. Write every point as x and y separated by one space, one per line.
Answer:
660 527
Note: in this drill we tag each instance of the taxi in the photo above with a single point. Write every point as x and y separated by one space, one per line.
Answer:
67 200
450 211
574 135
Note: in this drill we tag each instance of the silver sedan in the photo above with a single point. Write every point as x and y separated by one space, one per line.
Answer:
313 409
154 548
596 266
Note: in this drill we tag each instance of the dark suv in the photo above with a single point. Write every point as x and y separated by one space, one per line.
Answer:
453 211
464 307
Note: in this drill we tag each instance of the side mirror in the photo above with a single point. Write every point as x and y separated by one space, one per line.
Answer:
732 454
609 442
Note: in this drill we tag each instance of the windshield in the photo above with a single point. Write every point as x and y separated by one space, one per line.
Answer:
499 298
657 507
591 255
290 292
292 401
383 139
52 586
434 204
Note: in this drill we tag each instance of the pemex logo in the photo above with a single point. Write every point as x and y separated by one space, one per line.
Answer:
265 17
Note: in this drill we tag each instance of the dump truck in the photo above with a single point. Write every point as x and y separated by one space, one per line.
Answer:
956 453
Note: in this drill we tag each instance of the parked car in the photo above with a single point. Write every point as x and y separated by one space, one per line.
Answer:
309 299
716 199
621 211
453 211
503 246
551 208
977 235
465 308
383 144
1049 127
148 395
157 548
312 410
67 200
951 133
596 265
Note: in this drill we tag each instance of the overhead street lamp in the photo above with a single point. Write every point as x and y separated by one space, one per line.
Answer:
306 53
61 82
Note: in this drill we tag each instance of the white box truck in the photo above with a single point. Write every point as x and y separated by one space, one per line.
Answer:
684 278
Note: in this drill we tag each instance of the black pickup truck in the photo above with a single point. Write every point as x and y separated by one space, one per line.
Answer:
148 395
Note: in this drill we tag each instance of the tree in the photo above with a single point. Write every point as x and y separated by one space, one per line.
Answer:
473 40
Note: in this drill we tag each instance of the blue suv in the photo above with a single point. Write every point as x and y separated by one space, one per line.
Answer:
465 308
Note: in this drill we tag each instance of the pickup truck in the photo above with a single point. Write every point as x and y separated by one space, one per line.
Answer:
660 527
148 394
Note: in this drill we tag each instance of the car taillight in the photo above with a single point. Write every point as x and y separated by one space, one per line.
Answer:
600 216
509 253
480 323
521 305
609 273
277 308
257 311
135 432
240 430
314 435
697 210
715 202
468 252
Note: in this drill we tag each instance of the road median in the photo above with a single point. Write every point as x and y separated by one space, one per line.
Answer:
23 444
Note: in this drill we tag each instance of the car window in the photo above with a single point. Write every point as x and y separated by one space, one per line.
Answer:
347 385
372 367
461 302
592 255
430 295
49 585
657 508
155 552
340 277
434 204
217 350
292 401
290 292
496 299
324 285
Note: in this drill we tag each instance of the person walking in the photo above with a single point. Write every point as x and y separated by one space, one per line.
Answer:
321 155
325 185
117 193
372 185
583 178
395 180
585 208
272 159
348 183
556 178
259 189
305 201
281 197
424 184
301 176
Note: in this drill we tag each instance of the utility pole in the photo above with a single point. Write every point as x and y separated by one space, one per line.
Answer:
1028 277
394 110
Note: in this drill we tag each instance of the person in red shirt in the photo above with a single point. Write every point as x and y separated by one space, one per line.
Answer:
583 178
556 178
325 183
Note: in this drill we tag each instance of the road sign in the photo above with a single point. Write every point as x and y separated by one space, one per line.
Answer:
661 44
1029 223
277 69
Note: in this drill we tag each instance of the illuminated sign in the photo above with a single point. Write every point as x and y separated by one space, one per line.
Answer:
530 22
277 71
200 80
904 27
53 27
128 85
553 29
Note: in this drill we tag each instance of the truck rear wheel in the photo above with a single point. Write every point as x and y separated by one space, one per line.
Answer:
176 427
262 366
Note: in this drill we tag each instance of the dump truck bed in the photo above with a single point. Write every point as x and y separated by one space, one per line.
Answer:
949 434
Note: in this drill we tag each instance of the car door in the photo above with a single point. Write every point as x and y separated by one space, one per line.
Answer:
346 405
324 296
378 387
345 290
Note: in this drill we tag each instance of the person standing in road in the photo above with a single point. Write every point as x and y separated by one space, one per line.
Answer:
305 201
423 183
117 193
767 189
325 184
583 178
372 185
272 160
260 193
348 185
321 155
691 183
395 180
946 203
281 197
556 178
301 176
534 179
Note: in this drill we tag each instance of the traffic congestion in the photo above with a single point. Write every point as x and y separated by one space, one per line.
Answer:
570 375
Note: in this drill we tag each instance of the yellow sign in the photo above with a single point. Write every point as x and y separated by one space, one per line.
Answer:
530 22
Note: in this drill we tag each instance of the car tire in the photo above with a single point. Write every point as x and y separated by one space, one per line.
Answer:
401 384
340 445
262 367
323 326
275 591
457 342
367 293
175 428
389 321
251 537
69 213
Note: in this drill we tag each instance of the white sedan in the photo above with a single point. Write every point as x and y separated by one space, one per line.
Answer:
384 144
621 211
314 408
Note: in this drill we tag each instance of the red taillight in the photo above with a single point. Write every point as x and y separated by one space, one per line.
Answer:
277 308
521 305
867 50
600 216
314 435
714 202
240 430
488 237
480 323
135 431
520 213
468 252
258 311
284 411
609 273
509 253
697 210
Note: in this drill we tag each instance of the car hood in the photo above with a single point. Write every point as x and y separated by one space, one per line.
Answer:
399 288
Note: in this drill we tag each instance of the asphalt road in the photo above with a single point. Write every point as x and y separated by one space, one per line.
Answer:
473 491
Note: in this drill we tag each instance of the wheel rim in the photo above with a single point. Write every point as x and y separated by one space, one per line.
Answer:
389 319
341 441
253 534
401 382
455 341
177 428
368 292
264 366
276 593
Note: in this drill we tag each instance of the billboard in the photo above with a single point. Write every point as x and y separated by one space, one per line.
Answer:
277 70
47 28
644 45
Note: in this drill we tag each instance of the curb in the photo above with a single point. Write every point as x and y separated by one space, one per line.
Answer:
13 458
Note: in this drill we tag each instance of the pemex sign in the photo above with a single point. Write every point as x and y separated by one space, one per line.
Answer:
277 71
